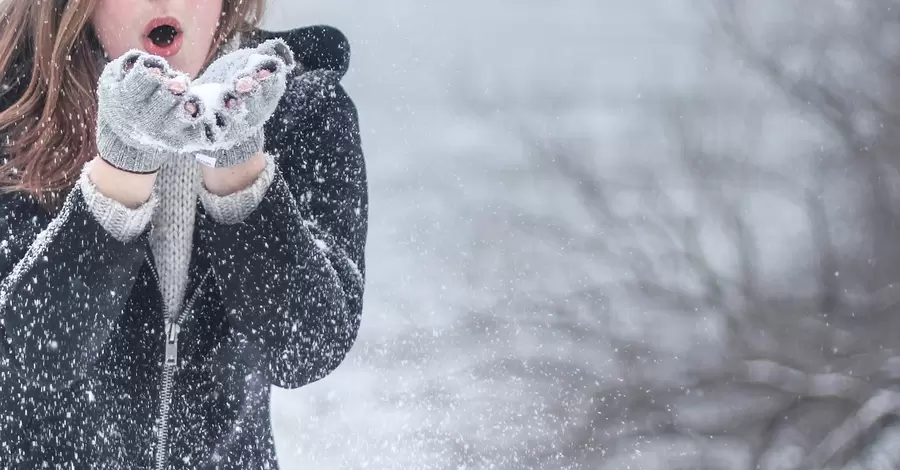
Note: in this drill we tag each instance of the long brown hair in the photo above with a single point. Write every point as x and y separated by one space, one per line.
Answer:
50 60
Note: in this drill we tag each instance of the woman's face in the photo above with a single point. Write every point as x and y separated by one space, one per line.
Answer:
181 31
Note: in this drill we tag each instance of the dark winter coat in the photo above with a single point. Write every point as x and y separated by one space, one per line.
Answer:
277 301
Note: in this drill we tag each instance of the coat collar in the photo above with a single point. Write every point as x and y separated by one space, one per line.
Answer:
316 48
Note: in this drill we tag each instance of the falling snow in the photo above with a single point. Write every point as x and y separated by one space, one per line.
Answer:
602 235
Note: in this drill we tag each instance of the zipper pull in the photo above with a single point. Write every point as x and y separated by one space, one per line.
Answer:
172 330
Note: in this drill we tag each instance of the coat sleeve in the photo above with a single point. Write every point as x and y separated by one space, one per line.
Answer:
292 274
64 281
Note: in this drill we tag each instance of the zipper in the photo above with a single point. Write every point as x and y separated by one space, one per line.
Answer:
170 364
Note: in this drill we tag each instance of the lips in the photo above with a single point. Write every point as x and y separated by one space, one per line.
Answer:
163 36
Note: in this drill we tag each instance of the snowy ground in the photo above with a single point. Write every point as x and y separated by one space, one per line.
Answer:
411 394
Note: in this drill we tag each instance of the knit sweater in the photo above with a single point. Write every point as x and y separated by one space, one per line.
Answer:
172 211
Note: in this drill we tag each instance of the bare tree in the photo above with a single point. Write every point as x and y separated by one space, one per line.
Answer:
805 381
718 359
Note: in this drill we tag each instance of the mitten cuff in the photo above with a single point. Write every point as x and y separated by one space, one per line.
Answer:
240 153
123 157
234 208
123 223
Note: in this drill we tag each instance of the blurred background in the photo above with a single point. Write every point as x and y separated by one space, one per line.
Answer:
605 235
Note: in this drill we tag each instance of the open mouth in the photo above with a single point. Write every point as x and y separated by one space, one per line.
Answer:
162 37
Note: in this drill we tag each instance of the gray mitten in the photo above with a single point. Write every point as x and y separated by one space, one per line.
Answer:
239 92
144 114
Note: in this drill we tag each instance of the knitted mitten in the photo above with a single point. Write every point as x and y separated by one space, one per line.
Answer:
144 113
239 92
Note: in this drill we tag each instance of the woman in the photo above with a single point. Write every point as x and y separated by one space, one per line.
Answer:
183 216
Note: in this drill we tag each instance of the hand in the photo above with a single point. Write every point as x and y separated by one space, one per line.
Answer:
238 93
144 112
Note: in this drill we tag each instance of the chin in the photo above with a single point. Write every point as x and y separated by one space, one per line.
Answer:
186 65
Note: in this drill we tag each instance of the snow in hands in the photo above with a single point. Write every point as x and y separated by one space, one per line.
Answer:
239 92
223 108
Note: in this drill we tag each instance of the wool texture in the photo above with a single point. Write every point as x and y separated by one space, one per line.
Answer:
140 123
172 210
